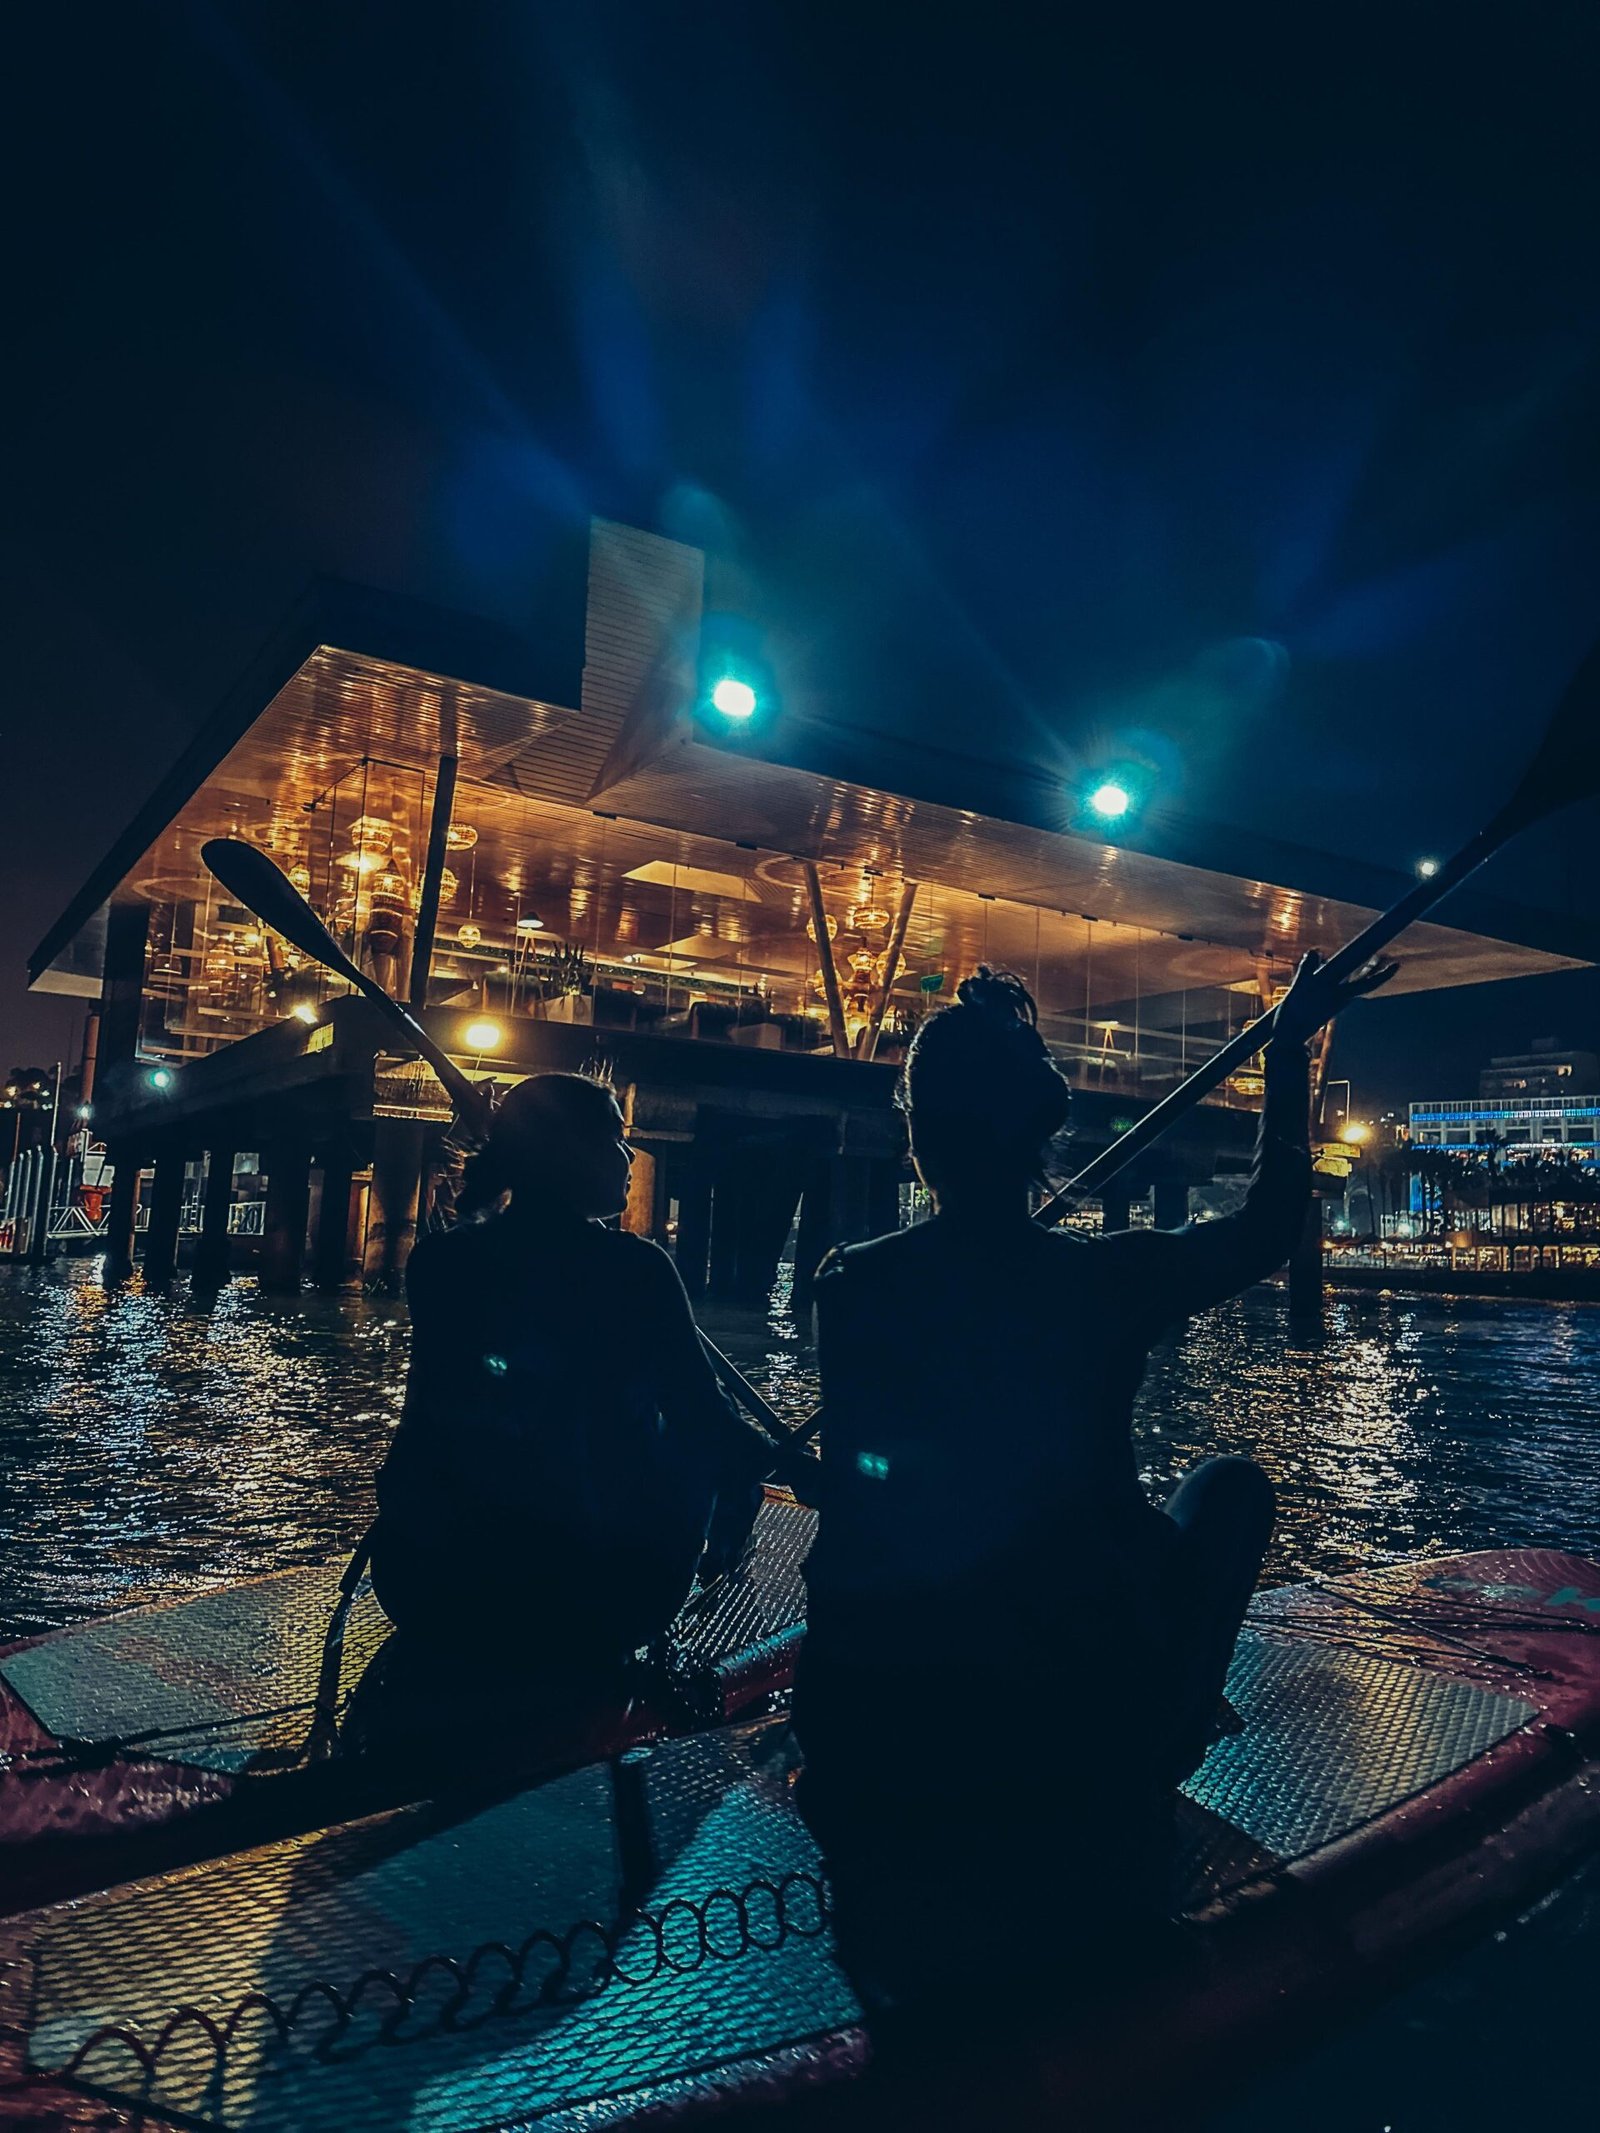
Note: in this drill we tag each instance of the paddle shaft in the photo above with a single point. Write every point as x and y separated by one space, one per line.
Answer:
1343 963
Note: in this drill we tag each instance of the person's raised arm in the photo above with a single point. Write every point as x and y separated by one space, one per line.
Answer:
1174 1273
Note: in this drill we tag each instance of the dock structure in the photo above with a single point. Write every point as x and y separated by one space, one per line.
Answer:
741 918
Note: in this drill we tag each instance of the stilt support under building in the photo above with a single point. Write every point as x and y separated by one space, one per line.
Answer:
166 1208
283 1238
121 1211
1306 1272
395 1198
336 1259
213 1250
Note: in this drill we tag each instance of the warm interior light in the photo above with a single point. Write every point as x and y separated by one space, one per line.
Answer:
1110 800
481 1036
304 1012
1355 1134
734 698
530 922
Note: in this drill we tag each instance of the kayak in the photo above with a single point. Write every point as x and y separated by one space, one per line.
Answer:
649 1937
182 1730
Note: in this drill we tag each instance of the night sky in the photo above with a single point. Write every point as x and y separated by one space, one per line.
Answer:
1219 378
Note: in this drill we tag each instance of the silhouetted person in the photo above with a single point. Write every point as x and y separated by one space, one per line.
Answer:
1013 1656
564 1439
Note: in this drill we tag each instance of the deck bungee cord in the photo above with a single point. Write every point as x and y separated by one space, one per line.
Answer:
683 1935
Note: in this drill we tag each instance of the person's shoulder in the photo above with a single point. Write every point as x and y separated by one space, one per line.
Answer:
438 1253
870 1268
627 1256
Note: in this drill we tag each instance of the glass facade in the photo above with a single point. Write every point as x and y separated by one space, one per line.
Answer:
563 914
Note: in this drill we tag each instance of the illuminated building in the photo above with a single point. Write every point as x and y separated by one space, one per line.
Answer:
743 911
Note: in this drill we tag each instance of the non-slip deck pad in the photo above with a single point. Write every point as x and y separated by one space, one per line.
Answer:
1333 1738
221 1681
212 1682
532 2026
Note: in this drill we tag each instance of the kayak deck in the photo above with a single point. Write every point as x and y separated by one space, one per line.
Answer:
189 1728
650 1935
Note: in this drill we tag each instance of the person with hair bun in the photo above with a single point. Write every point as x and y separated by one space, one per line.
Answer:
564 1440
1005 1634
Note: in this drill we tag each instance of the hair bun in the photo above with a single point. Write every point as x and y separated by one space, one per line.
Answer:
1000 995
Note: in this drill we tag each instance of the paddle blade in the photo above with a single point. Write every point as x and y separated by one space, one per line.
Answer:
1567 766
266 890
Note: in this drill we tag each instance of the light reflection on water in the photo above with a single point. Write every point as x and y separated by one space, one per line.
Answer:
164 1443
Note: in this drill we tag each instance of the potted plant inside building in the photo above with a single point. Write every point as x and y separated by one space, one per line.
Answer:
565 984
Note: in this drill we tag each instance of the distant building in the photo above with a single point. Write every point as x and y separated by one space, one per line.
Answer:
1528 1125
1546 1070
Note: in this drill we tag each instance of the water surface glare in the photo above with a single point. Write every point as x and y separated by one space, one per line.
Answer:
157 1443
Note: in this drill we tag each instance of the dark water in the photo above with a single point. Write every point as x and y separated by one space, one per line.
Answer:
160 1445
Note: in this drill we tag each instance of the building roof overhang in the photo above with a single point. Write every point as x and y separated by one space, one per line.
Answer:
362 672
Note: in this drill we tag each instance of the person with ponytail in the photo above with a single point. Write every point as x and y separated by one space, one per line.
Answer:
564 1441
1008 1641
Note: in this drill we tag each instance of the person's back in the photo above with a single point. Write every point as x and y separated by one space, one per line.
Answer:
966 1456
563 1439
990 1586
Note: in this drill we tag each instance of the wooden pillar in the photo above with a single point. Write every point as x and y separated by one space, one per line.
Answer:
213 1248
693 1251
1172 1203
336 1254
121 1211
394 1201
283 1239
166 1207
